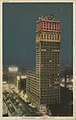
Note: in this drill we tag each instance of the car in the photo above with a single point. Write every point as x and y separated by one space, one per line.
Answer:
20 104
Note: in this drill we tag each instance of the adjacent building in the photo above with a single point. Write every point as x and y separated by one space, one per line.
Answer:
21 82
12 74
42 85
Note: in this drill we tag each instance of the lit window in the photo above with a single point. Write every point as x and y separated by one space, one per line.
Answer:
50 60
44 36
50 85
41 65
44 49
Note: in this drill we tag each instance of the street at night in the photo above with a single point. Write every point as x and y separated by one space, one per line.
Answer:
17 106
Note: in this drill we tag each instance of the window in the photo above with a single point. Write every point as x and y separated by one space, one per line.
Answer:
41 36
52 37
44 35
48 37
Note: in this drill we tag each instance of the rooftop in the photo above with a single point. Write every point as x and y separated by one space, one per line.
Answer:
47 17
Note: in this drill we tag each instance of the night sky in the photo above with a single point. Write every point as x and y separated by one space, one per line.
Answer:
19 26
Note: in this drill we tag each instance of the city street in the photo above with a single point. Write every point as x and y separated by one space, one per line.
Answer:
16 106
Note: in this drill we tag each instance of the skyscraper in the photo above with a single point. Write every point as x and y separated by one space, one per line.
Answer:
43 84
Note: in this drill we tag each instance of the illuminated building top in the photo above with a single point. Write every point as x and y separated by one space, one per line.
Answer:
48 22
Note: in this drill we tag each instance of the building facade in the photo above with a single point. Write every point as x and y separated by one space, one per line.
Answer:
33 87
47 60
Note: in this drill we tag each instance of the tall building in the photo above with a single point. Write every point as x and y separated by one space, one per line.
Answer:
43 85
12 74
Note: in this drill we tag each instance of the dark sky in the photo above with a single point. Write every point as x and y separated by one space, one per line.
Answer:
19 25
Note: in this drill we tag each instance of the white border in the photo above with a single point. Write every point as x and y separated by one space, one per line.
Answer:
38 1
1 59
74 61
